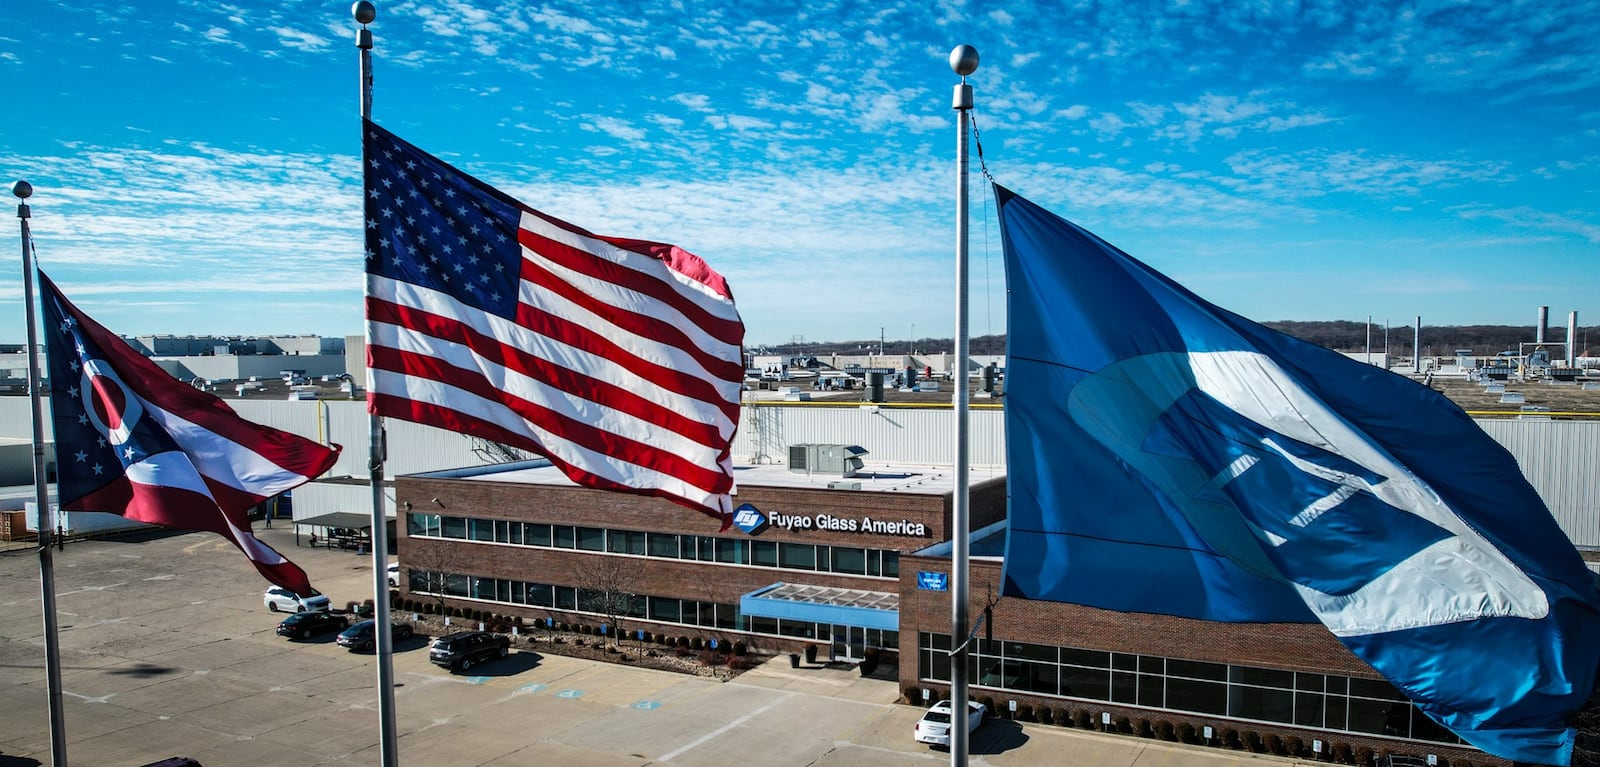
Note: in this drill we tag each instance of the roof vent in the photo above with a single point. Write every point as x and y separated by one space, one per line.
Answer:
830 460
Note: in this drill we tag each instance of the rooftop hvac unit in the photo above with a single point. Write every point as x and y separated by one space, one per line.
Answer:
831 460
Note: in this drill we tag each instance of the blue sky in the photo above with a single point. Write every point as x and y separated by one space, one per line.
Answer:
196 168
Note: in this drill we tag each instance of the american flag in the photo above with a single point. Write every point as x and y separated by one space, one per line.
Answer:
620 360
132 440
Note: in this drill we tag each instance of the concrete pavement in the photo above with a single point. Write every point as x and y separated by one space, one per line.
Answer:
167 650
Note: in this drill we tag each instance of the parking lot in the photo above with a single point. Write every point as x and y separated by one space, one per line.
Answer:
167 650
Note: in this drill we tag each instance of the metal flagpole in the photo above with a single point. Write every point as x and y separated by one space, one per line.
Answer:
383 637
47 569
964 61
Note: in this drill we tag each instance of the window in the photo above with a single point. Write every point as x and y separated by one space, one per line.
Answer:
797 556
422 524
591 539
663 545
480 529
534 534
566 537
849 560
891 564
453 527
663 609
732 551
764 553
625 542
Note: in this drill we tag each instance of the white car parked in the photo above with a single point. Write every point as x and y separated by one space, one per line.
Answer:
934 726
278 599
394 575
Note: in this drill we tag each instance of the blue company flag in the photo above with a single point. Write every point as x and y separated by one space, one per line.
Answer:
1169 456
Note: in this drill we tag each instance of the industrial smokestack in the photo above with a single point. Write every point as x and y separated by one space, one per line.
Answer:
1544 324
1572 338
1416 347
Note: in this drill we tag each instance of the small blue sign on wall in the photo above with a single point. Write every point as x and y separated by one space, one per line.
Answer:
932 581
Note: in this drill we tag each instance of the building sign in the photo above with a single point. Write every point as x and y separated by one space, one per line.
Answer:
932 581
752 521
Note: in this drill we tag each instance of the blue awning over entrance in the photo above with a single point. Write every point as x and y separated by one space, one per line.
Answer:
824 604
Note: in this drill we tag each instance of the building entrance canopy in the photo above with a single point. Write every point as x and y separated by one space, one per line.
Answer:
823 604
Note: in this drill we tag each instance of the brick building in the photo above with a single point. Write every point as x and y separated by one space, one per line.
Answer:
812 558
1292 687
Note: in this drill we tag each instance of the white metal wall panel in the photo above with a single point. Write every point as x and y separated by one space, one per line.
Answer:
318 498
1561 459
890 435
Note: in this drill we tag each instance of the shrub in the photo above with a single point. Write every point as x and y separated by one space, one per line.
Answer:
740 662
1082 720
1230 739
682 651
1187 733
1363 755
1295 746
913 694
1252 741
586 629
683 642
988 703
1342 754
739 648
1142 728
517 621
697 644
1165 731
1124 726
1024 712
709 657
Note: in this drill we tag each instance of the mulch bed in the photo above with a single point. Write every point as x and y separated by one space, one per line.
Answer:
707 663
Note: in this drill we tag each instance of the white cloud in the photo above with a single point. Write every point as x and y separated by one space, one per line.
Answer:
299 39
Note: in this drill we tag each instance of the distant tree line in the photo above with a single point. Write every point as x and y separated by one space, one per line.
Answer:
1340 335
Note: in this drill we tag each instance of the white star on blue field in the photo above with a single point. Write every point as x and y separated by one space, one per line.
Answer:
196 164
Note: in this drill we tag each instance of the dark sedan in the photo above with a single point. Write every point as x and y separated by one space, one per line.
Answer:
305 625
360 635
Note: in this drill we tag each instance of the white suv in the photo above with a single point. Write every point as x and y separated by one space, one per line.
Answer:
278 599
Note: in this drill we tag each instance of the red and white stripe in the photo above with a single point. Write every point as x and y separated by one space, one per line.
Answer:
623 364
224 464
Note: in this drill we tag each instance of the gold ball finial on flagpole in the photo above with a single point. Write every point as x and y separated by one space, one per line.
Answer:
22 189
964 60
364 12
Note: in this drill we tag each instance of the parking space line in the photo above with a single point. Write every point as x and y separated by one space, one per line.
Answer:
720 730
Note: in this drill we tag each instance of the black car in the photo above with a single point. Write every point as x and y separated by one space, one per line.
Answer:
460 650
360 635
304 625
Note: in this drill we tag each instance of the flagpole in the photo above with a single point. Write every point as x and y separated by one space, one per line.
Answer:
383 638
964 61
47 570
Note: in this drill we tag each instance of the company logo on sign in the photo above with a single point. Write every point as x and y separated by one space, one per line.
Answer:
931 581
749 519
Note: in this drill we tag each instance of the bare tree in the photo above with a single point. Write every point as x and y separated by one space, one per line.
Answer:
440 566
606 586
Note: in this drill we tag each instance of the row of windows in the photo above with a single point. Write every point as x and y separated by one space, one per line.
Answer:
1323 701
703 548
687 612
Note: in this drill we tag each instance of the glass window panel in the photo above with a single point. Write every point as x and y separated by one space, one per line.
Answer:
891 639
874 562
480 529
1149 664
1029 651
1124 687
1124 662
453 527
1261 677
1339 685
791 628
1308 709
418 524
1151 692
1092 658
822 557
617 541
1262 703
1309 682
663 545
937 641
1333 714
1372 715
418 581
933 665
707 550
663 609
727 616
763 625
542 595
519 593
535 534
566 598
1086 682
636 606
797 556
1374 688
566 537
705 614
732 551
1195 669
515 533
456 585
1196 696
850 560
502 531
591 539
891 564
764 553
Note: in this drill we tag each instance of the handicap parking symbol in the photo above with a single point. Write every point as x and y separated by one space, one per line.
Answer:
570 694
647 705
530 688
